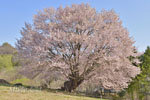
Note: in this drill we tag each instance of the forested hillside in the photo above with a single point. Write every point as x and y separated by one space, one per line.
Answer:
9 65
7 49
7 54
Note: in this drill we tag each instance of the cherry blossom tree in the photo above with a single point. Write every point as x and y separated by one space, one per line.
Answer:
81 44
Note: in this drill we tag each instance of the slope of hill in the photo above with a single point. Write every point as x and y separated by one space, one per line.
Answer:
12 93
9 65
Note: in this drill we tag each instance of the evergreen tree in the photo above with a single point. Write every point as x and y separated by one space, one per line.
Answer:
140 87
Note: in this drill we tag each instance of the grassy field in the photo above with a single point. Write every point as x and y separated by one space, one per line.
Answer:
13 93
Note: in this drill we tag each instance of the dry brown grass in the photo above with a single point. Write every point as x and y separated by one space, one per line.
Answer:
11 93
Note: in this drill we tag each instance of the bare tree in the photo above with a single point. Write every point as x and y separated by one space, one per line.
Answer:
80 43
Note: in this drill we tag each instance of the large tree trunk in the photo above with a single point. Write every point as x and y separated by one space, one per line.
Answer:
72 84
74 81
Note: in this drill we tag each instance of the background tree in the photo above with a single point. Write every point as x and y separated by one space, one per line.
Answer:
80 43
6 48
145 68
140 86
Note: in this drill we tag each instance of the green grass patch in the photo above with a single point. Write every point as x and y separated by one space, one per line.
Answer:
24 81
6 61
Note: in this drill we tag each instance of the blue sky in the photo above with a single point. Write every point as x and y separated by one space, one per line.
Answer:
135 15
